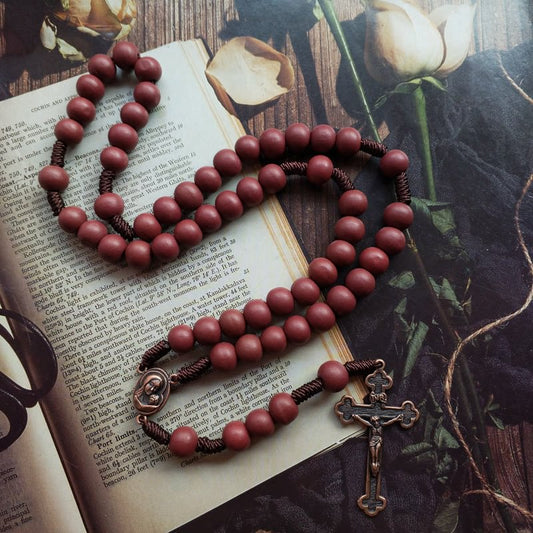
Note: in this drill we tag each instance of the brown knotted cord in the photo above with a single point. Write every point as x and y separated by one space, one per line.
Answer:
153 354
373 147
105 183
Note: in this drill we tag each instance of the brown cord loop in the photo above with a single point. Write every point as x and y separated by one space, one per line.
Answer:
55 201
58 154
105 184
294 168
207 445
403 192
373 147
154 431
122 227
307 390
364 366
342 180
194 370
153 354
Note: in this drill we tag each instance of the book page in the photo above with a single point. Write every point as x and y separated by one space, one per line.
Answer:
102 317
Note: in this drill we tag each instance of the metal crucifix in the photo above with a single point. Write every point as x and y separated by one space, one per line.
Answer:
375 415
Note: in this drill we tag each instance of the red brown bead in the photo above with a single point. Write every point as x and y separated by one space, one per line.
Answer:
227 162
90 87
135 115
108 205
259 423
341 300
102 67
297 329
394 162
341 253
320 316
147 69
349 229
305 291
69 131
112 247
323 272
249 348
188 233
53 178
165 248
257 314
123 136
283 408
91 232
125 55
248 148
323 138
236 436
181 338
319 169
232 323
398 215
374 260
273 339
280 301
113 158
334 376
272 178
360 281
167 210
297 137
229 205
272 143
71 218
81 110
353 202
147 94
208 218
138 255
390 240
207 330
223 356
188 196
250 192
183 441
348 142
208 179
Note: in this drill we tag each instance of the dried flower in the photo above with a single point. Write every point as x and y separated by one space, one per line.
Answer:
402 43
78 28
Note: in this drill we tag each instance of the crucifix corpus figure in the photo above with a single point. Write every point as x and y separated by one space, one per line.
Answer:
375 415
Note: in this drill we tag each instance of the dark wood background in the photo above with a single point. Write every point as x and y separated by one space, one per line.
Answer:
316 60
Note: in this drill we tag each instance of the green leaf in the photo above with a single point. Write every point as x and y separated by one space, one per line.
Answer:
405 280
317 10
414 343
435 82
498 422
417 448
444 439
446 517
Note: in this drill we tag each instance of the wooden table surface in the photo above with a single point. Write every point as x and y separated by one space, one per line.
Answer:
314 99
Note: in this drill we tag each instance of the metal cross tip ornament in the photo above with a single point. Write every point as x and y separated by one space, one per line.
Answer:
375 415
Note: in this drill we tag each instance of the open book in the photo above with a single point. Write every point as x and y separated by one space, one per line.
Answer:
83 462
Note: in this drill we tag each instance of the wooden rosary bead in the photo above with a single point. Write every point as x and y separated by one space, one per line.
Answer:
398 215
249 348
181 338
207 330
353 202
348 142
69 131
125 55
229 205
223 356
341 300
257 314
297 329
323 138
148 69
207 179
138 255
248 148
90 87
283 408
360 282
334 376
272 143
188 196
340 253
250 192
112 247
91 232
135 115
350 229
322 271
188 233
53 178
81 110
319 169
273 339
374 260
305 291
108 205
297 137
208 218
71 218
280 301
394 162
232 323
320 316
227 162
102 67
147 94
113 158
183 441
272 178
236 436
390 240
123 136
165 248
167 211
259 423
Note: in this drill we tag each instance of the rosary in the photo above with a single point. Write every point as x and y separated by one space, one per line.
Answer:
256 330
